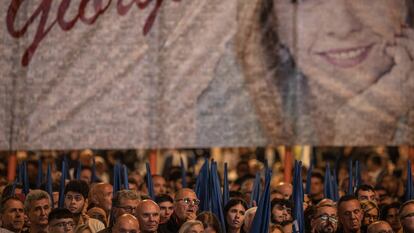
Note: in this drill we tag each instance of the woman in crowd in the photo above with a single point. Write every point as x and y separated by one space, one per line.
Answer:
234 213
389 213
371 214
326 71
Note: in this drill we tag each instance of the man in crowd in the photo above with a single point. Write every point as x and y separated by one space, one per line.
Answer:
100 196
316 191
12 215
406 214
148 214
76 197
37 207
324 219
283 191
281 211
350 214
380 227
185 208
165 202
124 202
366 192
126 223
159 184
61 221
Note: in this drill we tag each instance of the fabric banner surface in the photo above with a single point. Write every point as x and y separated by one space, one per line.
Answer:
200 73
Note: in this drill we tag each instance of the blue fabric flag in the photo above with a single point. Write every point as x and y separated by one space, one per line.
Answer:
78 171
183 174
49 187
357 175
298 215
14 187
20 173
256 190
26 186
351 178
62 185
94 178
202 187
309 179
125 176
328 189
39 178
117 178
226 192
409 194
216 197
335 187
150 185
261 219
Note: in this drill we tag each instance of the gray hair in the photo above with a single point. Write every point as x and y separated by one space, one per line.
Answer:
185 228
35 195
125 194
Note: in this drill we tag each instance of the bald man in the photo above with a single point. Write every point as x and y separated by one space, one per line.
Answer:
379 227
283 191
126 223
185 208
100 196
148 214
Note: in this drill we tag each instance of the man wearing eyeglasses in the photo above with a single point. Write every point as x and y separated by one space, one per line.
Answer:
350 214
61 221
76 197
124 202
380 227
324 219
185 208
406 214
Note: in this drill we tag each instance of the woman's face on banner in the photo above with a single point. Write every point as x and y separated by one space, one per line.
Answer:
340 43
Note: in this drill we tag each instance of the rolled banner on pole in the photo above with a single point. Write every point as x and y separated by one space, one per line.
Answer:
39 178
62 185
125 176
226 192
150 185
351 178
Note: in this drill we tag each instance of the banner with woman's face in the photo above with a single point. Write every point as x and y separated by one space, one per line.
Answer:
182 73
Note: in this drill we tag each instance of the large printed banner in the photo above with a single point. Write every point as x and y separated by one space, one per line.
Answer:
200 73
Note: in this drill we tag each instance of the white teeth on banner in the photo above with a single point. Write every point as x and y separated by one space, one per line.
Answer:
347 55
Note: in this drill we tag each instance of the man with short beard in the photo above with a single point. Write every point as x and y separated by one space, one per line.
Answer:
324 219
12 215
185 208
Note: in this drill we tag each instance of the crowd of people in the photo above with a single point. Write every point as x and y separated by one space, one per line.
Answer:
376 205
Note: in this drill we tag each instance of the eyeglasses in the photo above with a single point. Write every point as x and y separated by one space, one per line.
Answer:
128 209
69 224
75 197
325 217
189 201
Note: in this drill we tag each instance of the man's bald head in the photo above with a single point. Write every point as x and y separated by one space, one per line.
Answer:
126 223
284 189
148 214
379 227
101 196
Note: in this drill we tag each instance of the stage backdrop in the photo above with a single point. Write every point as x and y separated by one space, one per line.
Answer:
200 73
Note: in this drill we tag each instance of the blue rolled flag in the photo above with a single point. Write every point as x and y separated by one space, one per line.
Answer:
125 176
26 187
351 178
335 187
298 215
94 178
357 175
226 192
202 187
117 178
62 184
215 195
39 178
409 194
14 187
328 189
183 174
49 187
150 185
78 171
256 190
261 219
